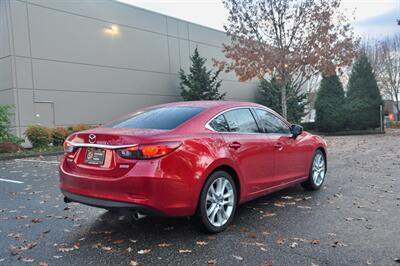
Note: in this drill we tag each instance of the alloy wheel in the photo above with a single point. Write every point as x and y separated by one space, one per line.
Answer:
318 170
219 201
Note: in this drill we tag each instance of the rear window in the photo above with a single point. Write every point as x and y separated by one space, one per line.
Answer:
159 118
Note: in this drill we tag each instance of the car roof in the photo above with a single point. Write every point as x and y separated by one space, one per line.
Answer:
211 104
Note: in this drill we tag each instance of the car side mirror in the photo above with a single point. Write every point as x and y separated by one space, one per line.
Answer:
296 130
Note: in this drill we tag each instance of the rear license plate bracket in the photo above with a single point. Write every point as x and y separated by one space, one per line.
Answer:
95 156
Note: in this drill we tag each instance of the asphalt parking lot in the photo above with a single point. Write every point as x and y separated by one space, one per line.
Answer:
354 220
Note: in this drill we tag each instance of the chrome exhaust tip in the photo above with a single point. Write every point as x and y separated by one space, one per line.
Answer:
137 215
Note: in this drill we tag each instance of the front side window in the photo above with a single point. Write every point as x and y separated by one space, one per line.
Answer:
159 118
241 120
219 124
271 123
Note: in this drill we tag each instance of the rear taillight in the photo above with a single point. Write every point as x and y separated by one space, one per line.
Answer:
68 147
149 151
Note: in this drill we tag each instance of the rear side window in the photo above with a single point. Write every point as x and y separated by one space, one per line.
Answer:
241 120
159 118
219 124
272 123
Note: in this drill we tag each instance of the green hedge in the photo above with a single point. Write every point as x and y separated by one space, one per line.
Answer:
41 136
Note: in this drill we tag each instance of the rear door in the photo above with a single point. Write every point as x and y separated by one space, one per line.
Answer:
289 160
252 151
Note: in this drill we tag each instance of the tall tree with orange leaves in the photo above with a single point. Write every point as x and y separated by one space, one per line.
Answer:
292 40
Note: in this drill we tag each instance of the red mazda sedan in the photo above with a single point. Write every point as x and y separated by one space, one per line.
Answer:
190 158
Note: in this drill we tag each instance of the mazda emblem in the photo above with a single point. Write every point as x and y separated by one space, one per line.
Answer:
92 138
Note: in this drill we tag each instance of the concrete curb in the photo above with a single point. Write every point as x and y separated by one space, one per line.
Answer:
21 156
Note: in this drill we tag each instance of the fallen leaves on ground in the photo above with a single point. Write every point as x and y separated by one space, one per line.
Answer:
16 250
313 241
237 257
164 245
133 263
144 251
269 214
212 261
279 204
185 251
25 259
304 207
105 248
36 220
338 244
280 241
201 243
69 249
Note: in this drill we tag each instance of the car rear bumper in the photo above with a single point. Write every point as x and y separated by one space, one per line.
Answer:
145 189
109 204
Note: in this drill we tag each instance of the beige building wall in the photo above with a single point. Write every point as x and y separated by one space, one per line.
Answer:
67 62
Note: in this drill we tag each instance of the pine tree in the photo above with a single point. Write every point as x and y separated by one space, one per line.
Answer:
200 83
363 97
269 94
329 105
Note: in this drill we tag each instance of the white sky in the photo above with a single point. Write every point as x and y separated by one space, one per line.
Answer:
372 17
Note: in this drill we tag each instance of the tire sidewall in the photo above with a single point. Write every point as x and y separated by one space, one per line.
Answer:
202 212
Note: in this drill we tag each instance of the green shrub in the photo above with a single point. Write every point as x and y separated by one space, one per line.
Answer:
363 97
329 105
5 134
269 94
39 136
200 83
308 126
394 124
58 135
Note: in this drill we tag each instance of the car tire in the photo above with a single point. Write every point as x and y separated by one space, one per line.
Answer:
317 173
217 203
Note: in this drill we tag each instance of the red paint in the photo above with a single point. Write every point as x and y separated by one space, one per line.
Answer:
171 184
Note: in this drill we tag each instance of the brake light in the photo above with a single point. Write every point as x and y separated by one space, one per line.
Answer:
68 147
149 151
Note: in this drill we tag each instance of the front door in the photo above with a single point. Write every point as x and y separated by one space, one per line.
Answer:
288 164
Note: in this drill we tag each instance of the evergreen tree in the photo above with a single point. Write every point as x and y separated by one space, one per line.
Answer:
200 83
329 105
363 97
269 94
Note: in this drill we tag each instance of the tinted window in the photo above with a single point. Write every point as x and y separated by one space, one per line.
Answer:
219 124
272 123
159 118
241 120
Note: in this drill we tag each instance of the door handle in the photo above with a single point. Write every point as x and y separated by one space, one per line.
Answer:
235 145
279 146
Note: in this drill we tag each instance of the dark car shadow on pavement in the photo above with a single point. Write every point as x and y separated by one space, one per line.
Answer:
121 228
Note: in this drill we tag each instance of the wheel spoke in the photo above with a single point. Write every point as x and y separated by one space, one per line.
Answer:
227 203
223 214
219 186
210 198
227 195
211 209
213 213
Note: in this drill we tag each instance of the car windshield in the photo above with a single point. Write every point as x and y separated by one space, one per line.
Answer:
159 118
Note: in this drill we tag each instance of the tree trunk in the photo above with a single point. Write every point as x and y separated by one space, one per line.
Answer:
284 101
397 103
